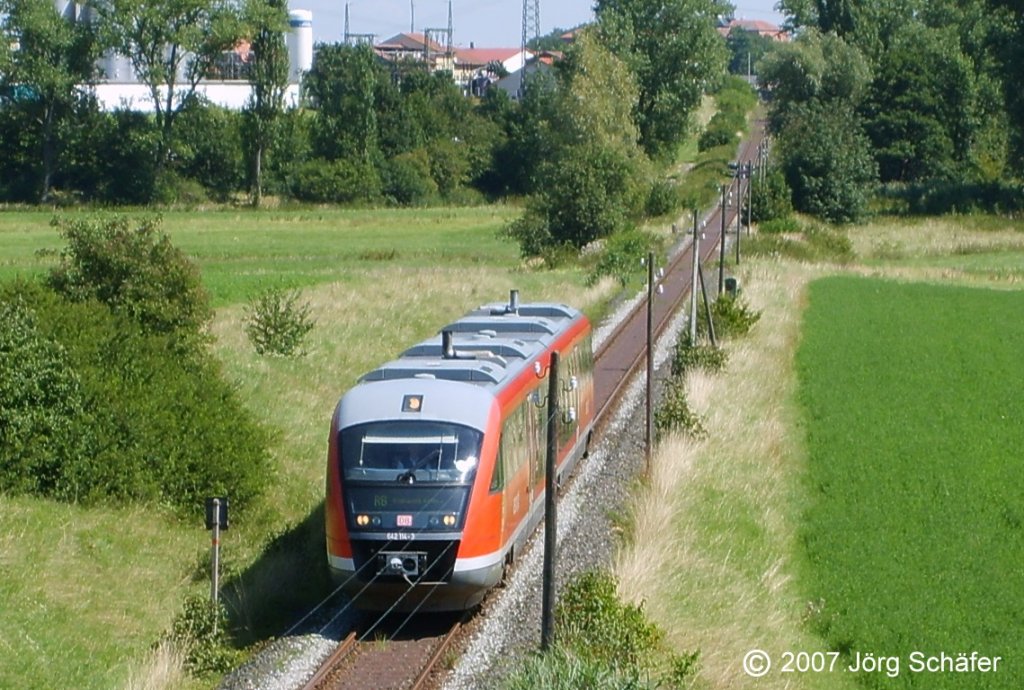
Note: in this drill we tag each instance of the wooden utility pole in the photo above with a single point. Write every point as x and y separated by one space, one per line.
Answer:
547 632
649 428
695 247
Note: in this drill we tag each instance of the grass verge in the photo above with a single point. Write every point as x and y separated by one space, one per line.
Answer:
715 546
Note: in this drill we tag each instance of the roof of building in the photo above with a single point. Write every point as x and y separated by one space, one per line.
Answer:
408 41
755 26
484 56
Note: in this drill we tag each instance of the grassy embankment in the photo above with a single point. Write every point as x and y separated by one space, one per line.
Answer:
88 590
717 549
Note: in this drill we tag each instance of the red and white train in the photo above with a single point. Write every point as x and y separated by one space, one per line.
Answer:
436 460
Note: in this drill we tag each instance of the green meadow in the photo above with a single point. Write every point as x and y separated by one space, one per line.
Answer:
914 531
88 591
240 251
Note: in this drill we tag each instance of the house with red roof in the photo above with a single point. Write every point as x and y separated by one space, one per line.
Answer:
418 48
757 26
477 68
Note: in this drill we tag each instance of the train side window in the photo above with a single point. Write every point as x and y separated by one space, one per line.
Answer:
498 477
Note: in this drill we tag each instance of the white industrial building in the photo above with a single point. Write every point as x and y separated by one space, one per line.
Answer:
119 87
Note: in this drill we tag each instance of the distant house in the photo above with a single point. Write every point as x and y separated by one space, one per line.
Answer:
477 68
416 47
757 26
513 83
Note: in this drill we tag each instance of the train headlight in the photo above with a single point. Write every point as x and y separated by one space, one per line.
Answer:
449 520
362 520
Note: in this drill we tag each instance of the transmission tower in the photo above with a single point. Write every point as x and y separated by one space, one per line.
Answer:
531 30
429 34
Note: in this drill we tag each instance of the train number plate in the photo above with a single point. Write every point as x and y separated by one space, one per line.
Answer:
400 536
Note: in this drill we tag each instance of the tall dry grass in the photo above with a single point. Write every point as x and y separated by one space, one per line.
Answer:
162 669
715 534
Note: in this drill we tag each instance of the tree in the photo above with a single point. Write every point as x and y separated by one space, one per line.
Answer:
746 48
171 45
342 87
593 181
827 161
45 75
815 68
676 55
921 113
136 272
268 75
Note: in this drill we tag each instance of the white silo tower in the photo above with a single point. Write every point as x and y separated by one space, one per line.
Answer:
300 44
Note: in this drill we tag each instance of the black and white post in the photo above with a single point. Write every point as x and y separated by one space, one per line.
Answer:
216 520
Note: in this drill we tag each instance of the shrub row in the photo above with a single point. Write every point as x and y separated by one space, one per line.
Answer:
92 408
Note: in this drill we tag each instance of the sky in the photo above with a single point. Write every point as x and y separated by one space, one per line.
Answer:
485 23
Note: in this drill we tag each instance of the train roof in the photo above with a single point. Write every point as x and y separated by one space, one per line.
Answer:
487 347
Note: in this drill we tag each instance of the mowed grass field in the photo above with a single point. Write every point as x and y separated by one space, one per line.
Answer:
914 412
87 591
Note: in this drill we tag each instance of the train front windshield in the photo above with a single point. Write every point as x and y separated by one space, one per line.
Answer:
410 452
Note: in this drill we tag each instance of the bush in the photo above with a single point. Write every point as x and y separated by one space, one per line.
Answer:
662 198
597 626
119 414
407 179
780 226
531 232
200 633
771 198
173 189
41 403
830 243
732 317
208 143
687 356
135 271
342 181
719 132
276 323
622 256
674 413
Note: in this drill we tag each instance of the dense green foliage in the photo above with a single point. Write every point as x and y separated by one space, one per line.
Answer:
95 408
928 87
109 391
200 631
135 271
43 77
914 535
602 642
622 257
771 197
746 48
674 414
675 55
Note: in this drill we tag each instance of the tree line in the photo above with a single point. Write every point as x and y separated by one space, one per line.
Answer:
918 98
583 144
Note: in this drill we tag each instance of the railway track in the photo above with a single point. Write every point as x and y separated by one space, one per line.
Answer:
406 653
401 653
622 353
